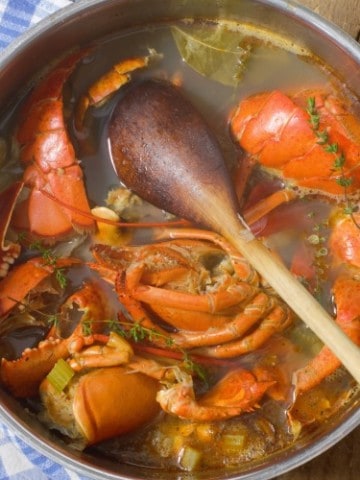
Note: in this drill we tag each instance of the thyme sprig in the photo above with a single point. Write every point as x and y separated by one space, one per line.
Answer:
313 113
342 180
194 367
52 319
130 331
50 259
136 332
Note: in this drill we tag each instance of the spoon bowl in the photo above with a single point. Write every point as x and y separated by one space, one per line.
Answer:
162 149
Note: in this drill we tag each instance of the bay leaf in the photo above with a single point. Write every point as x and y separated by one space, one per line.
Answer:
213 51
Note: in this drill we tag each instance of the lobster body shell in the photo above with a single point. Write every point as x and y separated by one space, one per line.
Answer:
51 169
277 130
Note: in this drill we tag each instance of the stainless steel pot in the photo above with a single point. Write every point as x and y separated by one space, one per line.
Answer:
88 20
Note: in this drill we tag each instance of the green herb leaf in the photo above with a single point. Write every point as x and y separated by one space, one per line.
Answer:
214 52
311 105
339 161
349 210
50 259
60 277
315 121
87 327
313 114
21 237
195 368
344 181
332 147
53 319
115 327
323 137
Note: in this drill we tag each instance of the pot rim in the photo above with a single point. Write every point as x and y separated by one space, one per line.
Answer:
292 459
289 7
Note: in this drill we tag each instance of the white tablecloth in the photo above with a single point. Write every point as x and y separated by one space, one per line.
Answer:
19 461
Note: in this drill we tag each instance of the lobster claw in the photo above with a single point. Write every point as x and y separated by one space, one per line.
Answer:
9 251
24 375
104 403
20 281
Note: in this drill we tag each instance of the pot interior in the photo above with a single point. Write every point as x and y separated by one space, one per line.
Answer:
106 23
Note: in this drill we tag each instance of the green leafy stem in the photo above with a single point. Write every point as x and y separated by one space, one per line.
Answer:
137 333
50 259
339 157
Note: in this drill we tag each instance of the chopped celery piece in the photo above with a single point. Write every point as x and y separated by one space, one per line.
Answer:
190 458
60 375
234 441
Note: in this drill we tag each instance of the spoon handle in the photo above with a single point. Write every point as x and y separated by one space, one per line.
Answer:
297 297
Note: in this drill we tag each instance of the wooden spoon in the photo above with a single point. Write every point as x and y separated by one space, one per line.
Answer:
163 150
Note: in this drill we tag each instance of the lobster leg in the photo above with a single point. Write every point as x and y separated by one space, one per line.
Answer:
275 322
347 298
242 322
238 392
106 85
208 302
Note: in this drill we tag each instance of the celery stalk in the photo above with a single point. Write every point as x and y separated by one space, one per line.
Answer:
190 458
60 375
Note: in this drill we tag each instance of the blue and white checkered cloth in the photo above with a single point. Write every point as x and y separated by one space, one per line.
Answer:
19 461
16 16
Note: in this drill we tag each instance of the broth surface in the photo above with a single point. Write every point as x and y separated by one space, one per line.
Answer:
270 428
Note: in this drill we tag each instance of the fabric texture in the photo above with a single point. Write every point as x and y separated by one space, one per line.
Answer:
19 461
16 16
